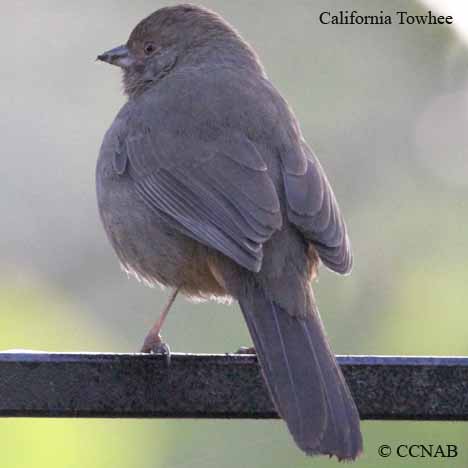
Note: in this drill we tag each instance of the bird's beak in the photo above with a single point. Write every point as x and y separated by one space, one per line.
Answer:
119 56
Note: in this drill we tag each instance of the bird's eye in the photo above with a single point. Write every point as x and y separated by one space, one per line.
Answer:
149 48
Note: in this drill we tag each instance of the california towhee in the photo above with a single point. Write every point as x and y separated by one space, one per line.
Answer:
206 185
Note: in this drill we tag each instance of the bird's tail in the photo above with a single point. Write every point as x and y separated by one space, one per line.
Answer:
302 375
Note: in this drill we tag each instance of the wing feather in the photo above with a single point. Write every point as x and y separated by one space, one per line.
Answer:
313 208
219 192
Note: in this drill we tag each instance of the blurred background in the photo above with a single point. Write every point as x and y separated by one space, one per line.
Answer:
385 109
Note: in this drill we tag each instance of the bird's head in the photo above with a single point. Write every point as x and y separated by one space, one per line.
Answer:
176 36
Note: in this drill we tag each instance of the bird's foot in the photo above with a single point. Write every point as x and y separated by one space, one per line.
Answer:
246 350
153 344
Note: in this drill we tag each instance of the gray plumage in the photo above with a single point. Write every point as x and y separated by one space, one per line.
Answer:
205 184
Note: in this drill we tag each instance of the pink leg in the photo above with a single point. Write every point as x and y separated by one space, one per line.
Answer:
153 342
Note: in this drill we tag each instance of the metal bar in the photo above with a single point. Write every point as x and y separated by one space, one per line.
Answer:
216 386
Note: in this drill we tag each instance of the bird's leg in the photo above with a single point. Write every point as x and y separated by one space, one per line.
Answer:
153 342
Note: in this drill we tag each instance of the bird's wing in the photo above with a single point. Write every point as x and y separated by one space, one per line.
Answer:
215 188
313 208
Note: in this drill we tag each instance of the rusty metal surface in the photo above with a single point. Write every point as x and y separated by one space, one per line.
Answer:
216 386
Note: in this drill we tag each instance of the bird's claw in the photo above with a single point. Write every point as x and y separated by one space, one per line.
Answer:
155 345
246 350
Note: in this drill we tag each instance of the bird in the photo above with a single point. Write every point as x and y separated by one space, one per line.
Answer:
206 185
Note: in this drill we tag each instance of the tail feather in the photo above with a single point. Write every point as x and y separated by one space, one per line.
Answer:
302 375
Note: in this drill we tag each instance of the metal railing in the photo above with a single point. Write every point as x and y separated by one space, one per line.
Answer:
216 386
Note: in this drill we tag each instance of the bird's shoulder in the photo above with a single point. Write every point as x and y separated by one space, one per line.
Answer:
113 143
218 97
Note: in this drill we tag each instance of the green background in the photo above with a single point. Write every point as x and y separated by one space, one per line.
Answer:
385 109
